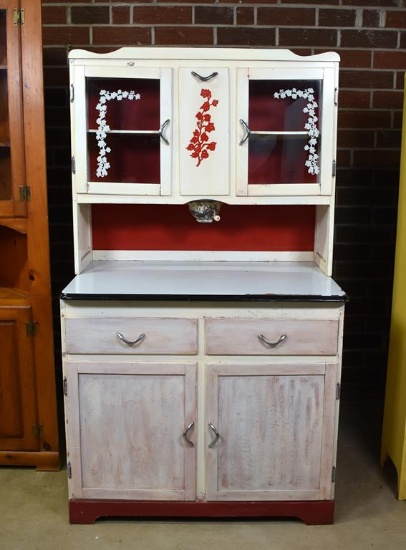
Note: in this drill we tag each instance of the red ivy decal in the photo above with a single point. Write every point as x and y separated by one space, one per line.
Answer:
199 144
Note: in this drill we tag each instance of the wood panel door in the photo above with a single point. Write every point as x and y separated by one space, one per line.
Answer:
18 409
275 425
125 426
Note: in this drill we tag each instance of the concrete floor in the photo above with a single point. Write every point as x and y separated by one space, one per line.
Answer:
34 515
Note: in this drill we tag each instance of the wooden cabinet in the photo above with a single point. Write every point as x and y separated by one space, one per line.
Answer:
28 435
204 423
202 334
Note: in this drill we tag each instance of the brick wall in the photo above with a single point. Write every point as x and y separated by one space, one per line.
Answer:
370 38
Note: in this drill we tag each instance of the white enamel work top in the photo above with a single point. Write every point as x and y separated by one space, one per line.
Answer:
162 280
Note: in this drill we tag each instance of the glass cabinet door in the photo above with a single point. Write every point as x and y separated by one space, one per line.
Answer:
122 129
11 130
285 116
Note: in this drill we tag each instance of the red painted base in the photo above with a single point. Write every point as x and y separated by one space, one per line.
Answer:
311 512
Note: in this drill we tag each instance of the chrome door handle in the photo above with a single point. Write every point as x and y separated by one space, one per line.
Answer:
186 433
130 342
272 344
247 131
204 78
161 131
216 434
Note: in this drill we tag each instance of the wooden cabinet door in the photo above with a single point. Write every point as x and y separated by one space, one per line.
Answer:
276 426
124 430
18 413
287 120
12 170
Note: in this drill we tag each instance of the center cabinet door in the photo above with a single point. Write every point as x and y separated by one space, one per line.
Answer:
204 131
125 430
275 431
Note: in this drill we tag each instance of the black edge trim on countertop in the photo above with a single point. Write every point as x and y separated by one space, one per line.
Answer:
204 297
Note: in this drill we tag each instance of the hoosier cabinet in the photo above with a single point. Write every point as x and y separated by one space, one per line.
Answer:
202 334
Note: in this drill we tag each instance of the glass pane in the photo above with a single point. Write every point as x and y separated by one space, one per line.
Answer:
5 159
124 104
123 136
284 120
278 159
133 158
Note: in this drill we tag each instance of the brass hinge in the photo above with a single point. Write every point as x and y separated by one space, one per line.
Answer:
31 328
73 165
334 168
37 429
18 16
333 474
69 469
72 93
335 96
25 193
65 386
338 391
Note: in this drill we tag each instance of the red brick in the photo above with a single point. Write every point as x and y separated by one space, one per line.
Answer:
354 99
369 39
396 19
121 36
363 119
374 3
163 15
361 59
74 36
121 15
361 79
388 139
337 18
245 16
286 16
386 159
205 15
390 60
348 139
184 36
54 15
307 37
252 36
90 15
388 100
371 18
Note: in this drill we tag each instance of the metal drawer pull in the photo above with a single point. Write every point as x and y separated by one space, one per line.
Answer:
217 435
247 131
161 131
186 433
271 344
204 78
129 342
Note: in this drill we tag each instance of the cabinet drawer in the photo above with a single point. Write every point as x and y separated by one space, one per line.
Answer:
271 337
141 335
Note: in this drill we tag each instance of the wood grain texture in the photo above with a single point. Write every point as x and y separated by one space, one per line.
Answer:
162 336
129 419
240 337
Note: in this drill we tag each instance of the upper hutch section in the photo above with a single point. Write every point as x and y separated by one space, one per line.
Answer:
12 162
170 125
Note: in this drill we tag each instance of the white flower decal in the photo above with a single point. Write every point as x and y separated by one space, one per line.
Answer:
311 125
102 164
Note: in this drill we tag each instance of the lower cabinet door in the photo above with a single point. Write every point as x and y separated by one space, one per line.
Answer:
127 430
270 431
18 404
